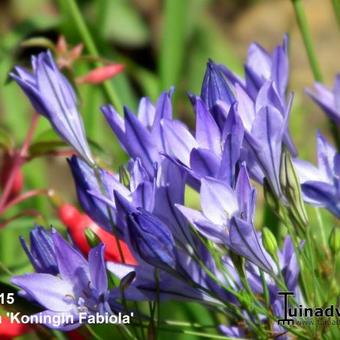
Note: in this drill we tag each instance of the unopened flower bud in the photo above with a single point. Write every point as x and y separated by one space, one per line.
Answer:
151 239
126 281
61 45
10 329
41 251
91 238
124 177
78 225
291 189
215 86
334 241
101 74
55 99
269 243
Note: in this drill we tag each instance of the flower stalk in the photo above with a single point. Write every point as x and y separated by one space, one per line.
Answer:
91 47
19 159
307 39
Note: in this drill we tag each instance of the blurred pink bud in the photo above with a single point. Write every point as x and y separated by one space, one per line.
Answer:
65 56
61 46
76 51
100 74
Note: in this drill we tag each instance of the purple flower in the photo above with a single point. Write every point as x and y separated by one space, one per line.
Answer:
234 332
233 141
156 194
321 185
262 66
244 241
264 146
212 152
151 240
52 96
265 84
259 111
145 287
96 191
170 190
184 285
141 136
41 252
85 180
289 268
227 216
80 287
268 96
215 87
288 265
328 100
219 203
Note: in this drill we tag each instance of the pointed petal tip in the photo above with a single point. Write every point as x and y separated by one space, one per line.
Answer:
210 62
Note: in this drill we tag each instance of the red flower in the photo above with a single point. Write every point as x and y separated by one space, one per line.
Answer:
76 223
10 330
75 335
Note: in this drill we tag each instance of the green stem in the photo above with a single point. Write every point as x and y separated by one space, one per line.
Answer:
194 333
178 323
336 8
92 49
93 333
307 39
173 41
322 230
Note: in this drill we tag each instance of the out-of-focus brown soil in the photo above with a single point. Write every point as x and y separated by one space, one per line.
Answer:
266 22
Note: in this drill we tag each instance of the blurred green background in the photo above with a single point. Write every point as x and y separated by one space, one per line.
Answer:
162 43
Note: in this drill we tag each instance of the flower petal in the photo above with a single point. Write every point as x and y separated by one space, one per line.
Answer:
48 290
69 260
179 140
218 200
203 163
97 268
245 242
208 133
146 112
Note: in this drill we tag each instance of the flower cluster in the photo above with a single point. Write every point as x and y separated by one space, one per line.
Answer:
214 254
64 283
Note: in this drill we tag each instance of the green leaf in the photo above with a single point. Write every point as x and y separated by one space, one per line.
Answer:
46 142
209 42
47 135
44 148
148 81
38 42
192 198
49 141
173 41
13 103
124 24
